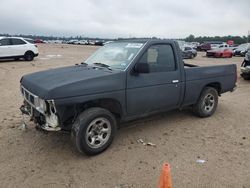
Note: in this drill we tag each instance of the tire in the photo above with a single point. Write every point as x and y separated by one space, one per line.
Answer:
207 103
87 135
29 56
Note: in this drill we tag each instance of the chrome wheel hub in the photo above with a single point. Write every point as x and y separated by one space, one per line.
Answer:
98 132
208 103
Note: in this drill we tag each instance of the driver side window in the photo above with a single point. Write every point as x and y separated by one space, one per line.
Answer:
160 58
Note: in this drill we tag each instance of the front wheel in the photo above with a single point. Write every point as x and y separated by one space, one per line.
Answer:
207 103
93 131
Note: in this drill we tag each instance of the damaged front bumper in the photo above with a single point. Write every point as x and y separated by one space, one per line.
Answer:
42 113
245 70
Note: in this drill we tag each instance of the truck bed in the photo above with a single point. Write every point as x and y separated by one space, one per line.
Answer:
223 76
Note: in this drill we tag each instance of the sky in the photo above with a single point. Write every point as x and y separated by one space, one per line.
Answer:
125 18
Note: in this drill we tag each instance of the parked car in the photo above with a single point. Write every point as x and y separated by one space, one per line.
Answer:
220 52
16 48
92 98
72 41
91 42
204 47
241 50
194 44
189 53
99 43
83 42
38 41
53 41
215 46
245 66
107 42
245 70
207 45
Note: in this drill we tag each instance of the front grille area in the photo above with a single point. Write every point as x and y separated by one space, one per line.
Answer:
28 96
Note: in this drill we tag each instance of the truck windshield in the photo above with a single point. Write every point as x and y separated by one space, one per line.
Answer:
116 55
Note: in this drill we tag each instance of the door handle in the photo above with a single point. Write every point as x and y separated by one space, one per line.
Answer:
175 81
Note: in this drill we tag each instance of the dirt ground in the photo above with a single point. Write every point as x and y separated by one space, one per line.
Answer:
33 159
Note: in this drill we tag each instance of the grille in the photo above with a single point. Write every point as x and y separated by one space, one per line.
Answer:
29 97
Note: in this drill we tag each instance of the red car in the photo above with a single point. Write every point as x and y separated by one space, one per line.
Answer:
220 52
38 41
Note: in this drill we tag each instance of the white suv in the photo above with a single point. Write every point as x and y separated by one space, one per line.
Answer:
16 48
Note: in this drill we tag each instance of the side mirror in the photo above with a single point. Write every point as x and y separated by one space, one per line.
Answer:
141 68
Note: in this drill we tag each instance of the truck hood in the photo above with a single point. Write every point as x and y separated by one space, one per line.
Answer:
73 81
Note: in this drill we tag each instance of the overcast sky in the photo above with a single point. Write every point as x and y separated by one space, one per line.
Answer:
124 18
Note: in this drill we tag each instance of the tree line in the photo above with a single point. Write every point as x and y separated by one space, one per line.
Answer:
51 37
236 39
190 38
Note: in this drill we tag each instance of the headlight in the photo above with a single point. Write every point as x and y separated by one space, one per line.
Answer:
40 105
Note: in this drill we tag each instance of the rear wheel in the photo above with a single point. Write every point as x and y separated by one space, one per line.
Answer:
207 103
93 131
29 56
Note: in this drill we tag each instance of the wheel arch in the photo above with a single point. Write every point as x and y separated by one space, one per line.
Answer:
215 85
29 51
112 105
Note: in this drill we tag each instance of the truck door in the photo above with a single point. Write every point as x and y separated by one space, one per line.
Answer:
160 88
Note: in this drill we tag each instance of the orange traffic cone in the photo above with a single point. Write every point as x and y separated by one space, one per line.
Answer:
165 179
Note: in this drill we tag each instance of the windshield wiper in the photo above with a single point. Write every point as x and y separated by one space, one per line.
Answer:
83 63
103 65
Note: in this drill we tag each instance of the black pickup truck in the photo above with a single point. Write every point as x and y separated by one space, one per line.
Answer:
121 81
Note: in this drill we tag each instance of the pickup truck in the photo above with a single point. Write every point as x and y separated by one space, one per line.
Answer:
122 81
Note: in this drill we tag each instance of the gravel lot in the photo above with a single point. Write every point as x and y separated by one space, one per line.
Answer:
33 159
